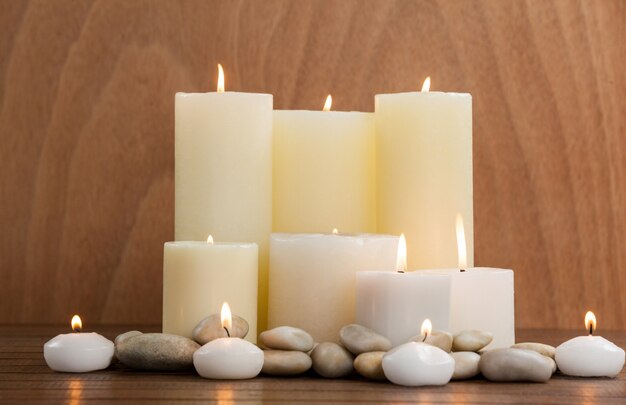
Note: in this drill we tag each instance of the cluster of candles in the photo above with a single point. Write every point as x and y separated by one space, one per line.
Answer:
245 171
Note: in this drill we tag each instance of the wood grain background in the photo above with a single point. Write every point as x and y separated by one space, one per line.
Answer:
87 129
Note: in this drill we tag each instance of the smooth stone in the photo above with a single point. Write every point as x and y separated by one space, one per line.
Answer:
515 365
465 365
284 362
156 351
359 339
540 348
554 367
438 338
210 328
287 338
331 360
127 335
370 365
471 340
589 356
417 364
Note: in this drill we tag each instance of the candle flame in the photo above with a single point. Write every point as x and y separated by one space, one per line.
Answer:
590 322
227 319
335 231
220 78
209 240
426 85
460 241
427 328
401 258
77 324
328 103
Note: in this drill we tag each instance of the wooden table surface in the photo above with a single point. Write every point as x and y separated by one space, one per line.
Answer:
25 378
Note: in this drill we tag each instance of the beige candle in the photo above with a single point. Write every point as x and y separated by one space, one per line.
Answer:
424 171
198 277
224 171
324 175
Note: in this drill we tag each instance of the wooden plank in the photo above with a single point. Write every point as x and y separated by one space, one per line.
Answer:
86 133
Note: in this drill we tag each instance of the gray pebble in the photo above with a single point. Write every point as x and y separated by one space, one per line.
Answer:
540 348
515 365
210 328
465 365
370 365
438 338
287 338
156 351
471 340
331 360
284 362
359 339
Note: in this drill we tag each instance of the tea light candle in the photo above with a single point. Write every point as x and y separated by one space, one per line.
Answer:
78 352
415 364
228 358
589 356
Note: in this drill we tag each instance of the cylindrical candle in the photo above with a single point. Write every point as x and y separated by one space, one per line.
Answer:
312 278
223 171
199 276
324 175
424 172
395 304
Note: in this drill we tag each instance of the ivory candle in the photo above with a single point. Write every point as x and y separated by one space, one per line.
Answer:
323 175
424 171
312 278
223 171
199 276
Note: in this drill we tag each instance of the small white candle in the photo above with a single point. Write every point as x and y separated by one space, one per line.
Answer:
395 303
415 364
589 356
78 352
228 358
312 278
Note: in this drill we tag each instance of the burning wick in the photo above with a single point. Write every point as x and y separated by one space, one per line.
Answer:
462 270
227 332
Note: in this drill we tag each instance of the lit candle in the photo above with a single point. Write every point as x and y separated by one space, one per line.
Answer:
395 303
416 364
481 298
199 276
312 278
78 352
228 358
589 356
223 171
424 170
324 173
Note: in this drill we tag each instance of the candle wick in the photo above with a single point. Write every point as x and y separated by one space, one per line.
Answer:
590 330
425 337
462 270
400 271
227 332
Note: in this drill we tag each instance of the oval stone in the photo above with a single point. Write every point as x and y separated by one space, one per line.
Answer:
284 362
210 328
331 360
471 340
543 349
438 338
370 365
515 365
465 365
287 338
156 351
416 364
359 339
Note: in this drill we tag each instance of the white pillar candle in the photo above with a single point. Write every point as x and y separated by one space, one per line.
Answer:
199 276
424 171
312 278
228 358
78 352
416 364
589 356
223 171
324 173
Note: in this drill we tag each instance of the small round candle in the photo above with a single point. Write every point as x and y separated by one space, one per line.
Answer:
228 358
78 352
589 356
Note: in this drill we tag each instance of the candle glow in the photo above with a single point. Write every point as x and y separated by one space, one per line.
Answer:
220 78
328 103
227 319
426 85
209 240
460 240
590 322
77 324
427 328
401 261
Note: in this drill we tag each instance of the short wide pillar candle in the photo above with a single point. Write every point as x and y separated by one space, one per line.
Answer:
313 276
199 276
324 175
424 172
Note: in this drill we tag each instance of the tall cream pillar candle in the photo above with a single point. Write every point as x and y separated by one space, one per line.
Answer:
324 175
198 277
224 172
424 172
313 278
